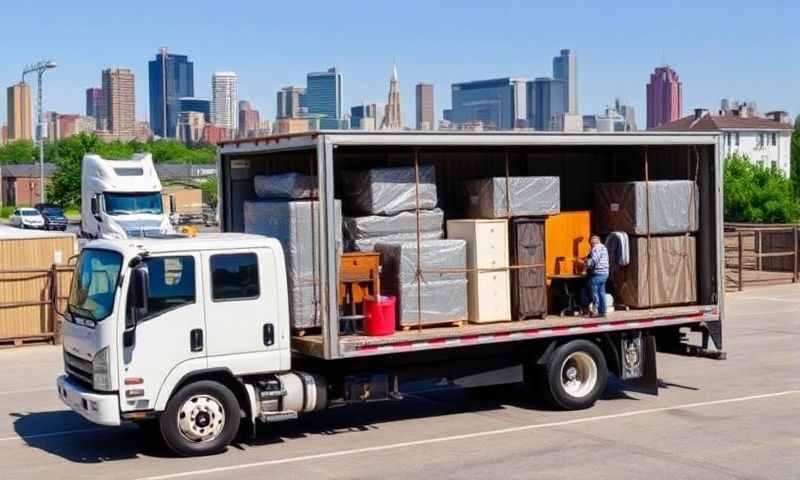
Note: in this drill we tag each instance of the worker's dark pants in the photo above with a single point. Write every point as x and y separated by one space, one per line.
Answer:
595 292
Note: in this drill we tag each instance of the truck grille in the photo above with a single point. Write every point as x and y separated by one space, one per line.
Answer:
78 368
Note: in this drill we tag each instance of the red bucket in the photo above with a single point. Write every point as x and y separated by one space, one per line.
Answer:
379 315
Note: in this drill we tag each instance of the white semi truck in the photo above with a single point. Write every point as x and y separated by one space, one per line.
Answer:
193 335
121 198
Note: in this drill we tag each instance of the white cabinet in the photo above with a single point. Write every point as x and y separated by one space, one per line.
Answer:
487 249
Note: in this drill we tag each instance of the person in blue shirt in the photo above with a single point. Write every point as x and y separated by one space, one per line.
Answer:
596 264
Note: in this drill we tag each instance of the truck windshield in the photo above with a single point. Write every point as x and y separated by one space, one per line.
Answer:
94 284
133 203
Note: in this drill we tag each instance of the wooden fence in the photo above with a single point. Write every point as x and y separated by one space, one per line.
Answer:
761 254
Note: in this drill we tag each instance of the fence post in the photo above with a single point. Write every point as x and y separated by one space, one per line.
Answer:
794 276
760 251
58 327
741 258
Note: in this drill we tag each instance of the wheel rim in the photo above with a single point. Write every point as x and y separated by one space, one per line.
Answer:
201 418
578 374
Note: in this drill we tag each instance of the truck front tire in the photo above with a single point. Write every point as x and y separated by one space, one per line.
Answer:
202 418
574 376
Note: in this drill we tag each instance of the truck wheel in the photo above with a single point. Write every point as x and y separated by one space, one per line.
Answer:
575 375
201 419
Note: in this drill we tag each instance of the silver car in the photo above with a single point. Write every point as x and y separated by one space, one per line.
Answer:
27 218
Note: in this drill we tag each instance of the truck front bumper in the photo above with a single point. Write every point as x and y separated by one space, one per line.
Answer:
99 408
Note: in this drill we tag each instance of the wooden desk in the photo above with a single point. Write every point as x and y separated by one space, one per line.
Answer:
359 277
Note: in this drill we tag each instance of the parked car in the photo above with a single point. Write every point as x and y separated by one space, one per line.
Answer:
27 218
53 215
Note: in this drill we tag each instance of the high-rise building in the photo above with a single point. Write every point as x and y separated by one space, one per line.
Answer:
565 67
367 117
3 134
224 100
520 86
424 100
393 120
545 102
94 106
119 100
191 127
291 101
192 104
324 97
171 77
18 112
491 103
664 97
249 119
628 113
738 108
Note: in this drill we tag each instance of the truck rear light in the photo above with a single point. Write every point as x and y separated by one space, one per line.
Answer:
134 381
138 392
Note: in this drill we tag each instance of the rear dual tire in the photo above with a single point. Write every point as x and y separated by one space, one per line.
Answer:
574 376
202 418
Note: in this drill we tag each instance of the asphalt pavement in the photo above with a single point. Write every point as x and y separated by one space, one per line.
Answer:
713 419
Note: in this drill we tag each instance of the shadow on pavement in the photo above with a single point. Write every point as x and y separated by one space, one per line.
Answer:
67 435
99 444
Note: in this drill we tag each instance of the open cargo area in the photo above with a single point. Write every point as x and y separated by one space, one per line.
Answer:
661 192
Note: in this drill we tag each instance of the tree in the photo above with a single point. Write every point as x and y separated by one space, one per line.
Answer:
209 187
758 194
67 154
20 151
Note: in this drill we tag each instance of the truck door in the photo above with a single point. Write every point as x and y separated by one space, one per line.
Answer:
170 337
241 311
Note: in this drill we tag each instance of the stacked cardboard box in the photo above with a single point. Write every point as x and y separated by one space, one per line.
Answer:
296 225
659 217
434 297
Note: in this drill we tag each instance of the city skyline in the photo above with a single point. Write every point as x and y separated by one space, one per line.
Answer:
610 65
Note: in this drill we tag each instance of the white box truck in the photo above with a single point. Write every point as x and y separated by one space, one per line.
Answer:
193 334
121 198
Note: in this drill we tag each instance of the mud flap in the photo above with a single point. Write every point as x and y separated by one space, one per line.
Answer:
638 362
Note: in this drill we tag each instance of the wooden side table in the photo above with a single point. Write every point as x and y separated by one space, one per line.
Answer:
359 277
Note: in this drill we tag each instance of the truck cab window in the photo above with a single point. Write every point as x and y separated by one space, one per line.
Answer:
171 284
234 277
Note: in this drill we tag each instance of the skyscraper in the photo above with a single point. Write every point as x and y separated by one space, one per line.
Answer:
425 119
249 119
545 102
224 100
490 102
628 113
324 97
664 97
173 74
192 104
290 102
119 101
94 106
18 112
393 119
565 67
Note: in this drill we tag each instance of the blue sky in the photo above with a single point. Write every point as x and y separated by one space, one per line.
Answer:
742 49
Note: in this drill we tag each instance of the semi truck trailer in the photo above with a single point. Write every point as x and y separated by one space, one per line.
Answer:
194 335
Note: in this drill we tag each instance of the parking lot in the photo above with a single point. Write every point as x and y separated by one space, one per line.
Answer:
738 418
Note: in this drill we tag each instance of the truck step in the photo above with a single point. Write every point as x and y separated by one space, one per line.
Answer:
271 417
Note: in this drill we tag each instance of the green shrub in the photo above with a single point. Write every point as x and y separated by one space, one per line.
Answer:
6 212
758 194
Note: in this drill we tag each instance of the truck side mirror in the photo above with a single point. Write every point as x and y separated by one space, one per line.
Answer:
95 207
140 292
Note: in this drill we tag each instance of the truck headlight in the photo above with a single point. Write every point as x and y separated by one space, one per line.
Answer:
100 377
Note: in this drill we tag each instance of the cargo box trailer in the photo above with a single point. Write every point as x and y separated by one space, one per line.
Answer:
230 347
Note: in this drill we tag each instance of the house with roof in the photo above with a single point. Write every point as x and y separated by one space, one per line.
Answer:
20 184
764 140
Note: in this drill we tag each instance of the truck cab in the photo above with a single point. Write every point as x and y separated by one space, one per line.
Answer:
149 318
121 198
